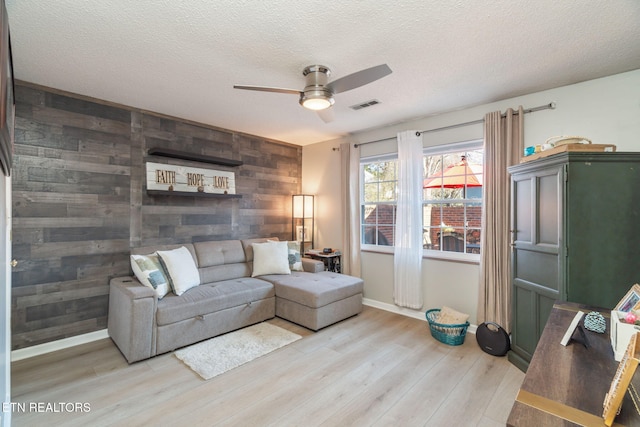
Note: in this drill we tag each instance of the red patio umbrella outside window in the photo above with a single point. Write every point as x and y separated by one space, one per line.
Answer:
456 176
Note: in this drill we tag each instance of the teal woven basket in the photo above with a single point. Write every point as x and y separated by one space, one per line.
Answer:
448 334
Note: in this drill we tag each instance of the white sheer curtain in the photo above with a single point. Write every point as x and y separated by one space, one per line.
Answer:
350 190
503 146
407 261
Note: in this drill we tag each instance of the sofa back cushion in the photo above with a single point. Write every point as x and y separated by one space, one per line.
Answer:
146 250
221 260
219 252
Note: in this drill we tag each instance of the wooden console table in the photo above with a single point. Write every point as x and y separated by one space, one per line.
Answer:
569 383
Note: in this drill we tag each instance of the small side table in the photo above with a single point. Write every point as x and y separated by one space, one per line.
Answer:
332 261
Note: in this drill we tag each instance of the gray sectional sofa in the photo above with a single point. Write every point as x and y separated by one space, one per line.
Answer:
143 325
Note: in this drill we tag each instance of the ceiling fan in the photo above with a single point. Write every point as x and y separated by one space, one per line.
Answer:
318 94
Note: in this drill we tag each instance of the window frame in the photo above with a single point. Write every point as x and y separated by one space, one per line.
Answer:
367 247
470 145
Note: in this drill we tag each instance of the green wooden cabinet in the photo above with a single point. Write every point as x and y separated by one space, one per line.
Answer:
575 224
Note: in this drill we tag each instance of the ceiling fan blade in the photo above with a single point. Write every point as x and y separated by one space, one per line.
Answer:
359 78
326 115
268 89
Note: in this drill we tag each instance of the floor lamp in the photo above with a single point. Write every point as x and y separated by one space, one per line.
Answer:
302 221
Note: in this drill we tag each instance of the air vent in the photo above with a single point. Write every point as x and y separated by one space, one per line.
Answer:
365 104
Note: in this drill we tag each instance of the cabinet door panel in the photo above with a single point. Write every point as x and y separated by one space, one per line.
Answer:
548 219
532 307
524 322
537 267
522 220
545 305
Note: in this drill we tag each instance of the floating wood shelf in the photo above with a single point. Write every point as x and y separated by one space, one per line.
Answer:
192 193
175 154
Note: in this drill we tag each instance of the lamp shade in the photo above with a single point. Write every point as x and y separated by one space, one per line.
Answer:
303 206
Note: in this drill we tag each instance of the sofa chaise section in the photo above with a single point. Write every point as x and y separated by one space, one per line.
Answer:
317 300
313 298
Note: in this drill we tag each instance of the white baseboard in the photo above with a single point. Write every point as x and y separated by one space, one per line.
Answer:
416 314
37 350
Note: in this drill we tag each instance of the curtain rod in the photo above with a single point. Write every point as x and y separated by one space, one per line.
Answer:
549 106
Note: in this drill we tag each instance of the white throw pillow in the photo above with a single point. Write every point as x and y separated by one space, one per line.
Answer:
181 269
295 259
270 258
149 272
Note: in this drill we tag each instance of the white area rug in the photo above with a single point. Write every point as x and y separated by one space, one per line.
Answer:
220 354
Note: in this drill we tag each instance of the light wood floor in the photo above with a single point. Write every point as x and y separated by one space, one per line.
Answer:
375 369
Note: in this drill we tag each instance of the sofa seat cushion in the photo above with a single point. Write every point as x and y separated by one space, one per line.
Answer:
315 289
212 297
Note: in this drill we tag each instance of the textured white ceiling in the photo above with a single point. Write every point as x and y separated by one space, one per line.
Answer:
182 57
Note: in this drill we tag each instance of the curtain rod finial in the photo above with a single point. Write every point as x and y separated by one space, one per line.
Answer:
552 105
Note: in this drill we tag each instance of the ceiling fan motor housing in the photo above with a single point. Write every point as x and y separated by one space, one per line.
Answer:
315 96
316 75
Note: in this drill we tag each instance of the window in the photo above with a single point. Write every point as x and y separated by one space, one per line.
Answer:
452 199
378 202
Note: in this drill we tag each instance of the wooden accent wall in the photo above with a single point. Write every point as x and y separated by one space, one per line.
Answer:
80 203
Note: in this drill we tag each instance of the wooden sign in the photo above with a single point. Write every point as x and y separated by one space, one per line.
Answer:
189 180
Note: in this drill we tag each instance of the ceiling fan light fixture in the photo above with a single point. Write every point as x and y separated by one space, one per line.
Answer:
316 98
316 103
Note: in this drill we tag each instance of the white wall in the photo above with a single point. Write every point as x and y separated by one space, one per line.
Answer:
605 110
321 177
